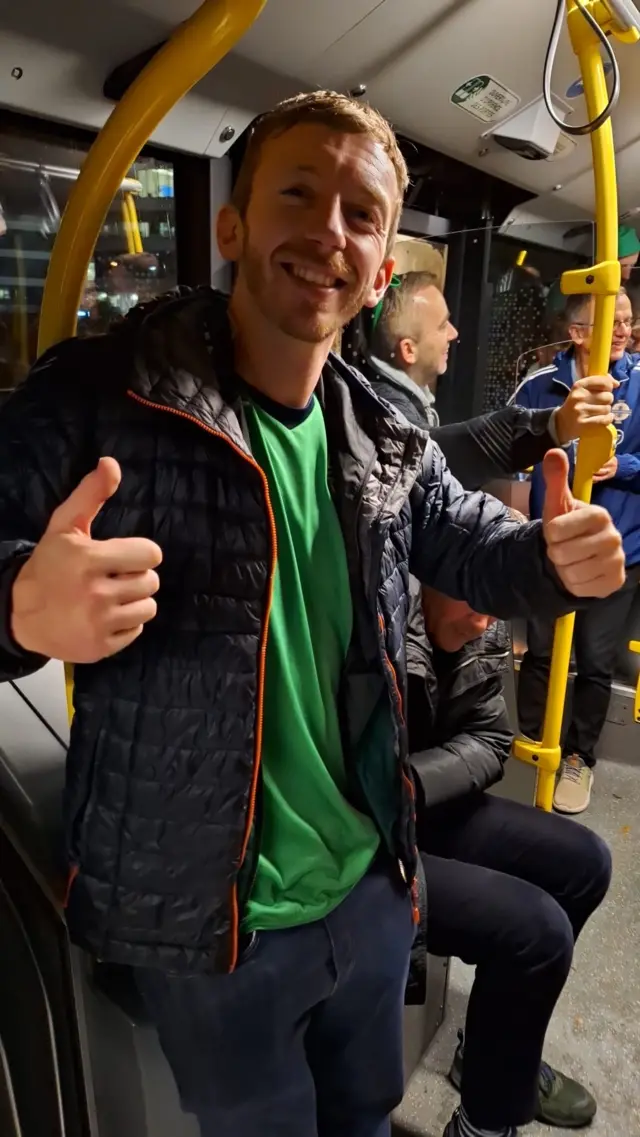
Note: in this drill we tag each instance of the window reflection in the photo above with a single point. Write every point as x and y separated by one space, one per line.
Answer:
134 259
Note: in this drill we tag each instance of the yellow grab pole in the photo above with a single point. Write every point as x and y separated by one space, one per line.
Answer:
191 53
126 224
193 50
635 646
521 257
134 238
596 445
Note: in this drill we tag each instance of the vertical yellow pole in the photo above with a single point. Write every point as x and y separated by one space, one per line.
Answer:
134 239
596 445
126 224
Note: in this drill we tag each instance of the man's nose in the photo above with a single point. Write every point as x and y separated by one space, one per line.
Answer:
326 225
453 333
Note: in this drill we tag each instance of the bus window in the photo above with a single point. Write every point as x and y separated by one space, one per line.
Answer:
524 328
134 259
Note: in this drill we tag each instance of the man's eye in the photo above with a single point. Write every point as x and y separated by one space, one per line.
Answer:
361 213
294 191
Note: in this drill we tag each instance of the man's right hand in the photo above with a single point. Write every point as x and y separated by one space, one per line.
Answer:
81 600
589 402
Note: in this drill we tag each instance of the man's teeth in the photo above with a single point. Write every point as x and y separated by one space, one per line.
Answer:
312 276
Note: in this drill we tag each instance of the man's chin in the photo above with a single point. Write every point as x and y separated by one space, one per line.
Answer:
312 331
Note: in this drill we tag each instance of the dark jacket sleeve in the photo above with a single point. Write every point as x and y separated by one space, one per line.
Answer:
42 458
495 445
469 547
469 755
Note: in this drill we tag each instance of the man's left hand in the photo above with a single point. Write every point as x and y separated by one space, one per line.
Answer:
609 470
587 404
582 542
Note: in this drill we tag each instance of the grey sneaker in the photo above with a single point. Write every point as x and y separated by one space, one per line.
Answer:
573 791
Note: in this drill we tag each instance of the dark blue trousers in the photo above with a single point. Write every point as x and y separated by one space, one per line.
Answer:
304 1039
510 889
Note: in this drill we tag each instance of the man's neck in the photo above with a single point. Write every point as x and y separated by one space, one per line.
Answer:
425 382
283 368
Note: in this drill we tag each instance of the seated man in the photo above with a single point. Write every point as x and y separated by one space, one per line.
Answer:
600 631
510 888
410 353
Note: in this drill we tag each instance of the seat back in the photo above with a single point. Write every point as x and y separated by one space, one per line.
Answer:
98 1067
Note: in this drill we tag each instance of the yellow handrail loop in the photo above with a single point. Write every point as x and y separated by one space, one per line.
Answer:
193 50
602 280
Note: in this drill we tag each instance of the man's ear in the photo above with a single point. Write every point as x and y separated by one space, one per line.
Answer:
229 233
381 283
407 352
578 335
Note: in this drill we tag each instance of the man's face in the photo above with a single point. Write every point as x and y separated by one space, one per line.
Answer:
312 248
451 623
425 355
627 264
581 331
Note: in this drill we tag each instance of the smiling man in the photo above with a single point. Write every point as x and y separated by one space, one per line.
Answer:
239 803
410 349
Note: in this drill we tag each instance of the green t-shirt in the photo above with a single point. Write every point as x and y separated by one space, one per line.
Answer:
314 846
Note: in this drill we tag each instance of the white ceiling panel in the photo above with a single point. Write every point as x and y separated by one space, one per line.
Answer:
391 28
289 35
412 54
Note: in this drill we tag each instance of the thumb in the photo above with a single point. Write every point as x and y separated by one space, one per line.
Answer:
83 506
558 498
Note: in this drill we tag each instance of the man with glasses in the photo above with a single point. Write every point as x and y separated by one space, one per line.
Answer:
598 632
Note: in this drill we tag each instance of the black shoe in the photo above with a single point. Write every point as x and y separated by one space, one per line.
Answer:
452 1128
561 1101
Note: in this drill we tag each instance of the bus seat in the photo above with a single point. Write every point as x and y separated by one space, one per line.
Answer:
78 1026
9 1119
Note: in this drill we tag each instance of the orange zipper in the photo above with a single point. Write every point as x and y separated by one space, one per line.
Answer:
262 656
392 671
407 781
73 872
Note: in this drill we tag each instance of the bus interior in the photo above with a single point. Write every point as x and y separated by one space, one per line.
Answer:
494 208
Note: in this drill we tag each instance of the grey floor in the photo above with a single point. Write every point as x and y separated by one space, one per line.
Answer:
595 1032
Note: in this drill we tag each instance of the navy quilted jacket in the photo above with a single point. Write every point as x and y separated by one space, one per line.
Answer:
163 788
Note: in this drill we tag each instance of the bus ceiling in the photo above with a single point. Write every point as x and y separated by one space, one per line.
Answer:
463 77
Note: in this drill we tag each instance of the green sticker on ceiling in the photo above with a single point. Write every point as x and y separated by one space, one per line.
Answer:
485 98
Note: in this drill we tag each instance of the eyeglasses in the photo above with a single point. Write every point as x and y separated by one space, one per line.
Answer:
619 325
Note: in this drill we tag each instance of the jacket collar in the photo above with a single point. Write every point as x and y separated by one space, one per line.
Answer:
183 361
421 396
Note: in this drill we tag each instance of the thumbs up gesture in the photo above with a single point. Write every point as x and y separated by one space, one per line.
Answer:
81 600
582 542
